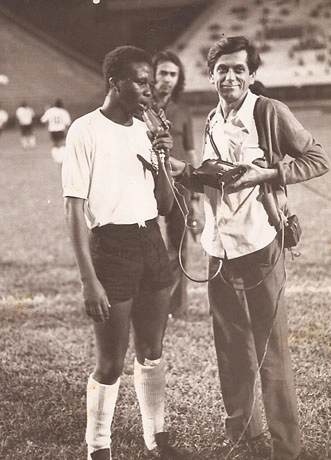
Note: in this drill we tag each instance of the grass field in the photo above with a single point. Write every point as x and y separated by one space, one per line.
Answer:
46 341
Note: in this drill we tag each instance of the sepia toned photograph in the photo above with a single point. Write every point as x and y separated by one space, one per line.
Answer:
165 229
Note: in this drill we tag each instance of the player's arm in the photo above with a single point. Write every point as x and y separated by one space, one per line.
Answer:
44 118
68 120
95 298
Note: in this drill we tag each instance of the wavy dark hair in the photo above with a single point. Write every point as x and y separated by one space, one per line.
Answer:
230 45
116 62
169 56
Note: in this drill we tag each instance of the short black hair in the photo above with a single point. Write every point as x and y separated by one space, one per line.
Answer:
169 56
230 45
58 103
116 61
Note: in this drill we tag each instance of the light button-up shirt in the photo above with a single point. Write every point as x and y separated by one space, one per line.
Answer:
236 224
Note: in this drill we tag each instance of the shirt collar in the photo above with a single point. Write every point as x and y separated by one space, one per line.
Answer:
246 111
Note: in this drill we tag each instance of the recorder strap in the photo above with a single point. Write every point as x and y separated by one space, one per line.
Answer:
210 135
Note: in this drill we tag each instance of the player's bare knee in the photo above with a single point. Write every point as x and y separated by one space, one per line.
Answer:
149 354
108 372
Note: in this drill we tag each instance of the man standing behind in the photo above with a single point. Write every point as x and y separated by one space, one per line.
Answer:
247 301
123 263
168 86
58 119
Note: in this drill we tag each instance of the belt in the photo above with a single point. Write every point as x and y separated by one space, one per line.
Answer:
124 226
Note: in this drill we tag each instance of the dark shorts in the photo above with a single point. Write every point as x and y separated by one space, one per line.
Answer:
57 136
26 130
128 259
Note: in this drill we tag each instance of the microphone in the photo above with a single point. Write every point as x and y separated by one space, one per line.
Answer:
156 122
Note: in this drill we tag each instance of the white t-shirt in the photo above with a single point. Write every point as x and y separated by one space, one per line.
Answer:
58 119
3 117
101 167
25 115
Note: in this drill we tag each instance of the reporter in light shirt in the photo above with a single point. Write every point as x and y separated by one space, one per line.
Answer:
251 323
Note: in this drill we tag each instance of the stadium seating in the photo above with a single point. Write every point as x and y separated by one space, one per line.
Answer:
293 37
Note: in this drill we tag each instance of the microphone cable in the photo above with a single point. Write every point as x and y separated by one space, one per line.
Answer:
185 213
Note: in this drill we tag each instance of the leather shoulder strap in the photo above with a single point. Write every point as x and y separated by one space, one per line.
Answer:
260 120
208 133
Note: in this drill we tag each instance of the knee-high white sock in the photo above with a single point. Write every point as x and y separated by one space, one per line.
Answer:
149 382
32 141
24 143
54 153
58 154
100 405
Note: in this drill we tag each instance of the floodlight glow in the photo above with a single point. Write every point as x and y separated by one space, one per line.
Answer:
96 2
4 80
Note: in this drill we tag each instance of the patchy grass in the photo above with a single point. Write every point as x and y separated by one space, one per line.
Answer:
47 346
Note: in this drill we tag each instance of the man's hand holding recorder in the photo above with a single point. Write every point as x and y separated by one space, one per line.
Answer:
233 177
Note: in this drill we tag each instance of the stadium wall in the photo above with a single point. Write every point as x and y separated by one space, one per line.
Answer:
287 94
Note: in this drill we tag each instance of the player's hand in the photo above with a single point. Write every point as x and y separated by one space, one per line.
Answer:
95 300
177 166
162 142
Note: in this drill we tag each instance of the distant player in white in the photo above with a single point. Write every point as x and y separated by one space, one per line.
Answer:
58 120
3 119
25 116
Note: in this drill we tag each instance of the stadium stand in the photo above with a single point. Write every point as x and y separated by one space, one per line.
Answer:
40 70
51 44
55 49
92 29
293 37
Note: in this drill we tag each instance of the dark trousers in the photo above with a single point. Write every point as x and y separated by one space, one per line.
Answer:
249 327
175 224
